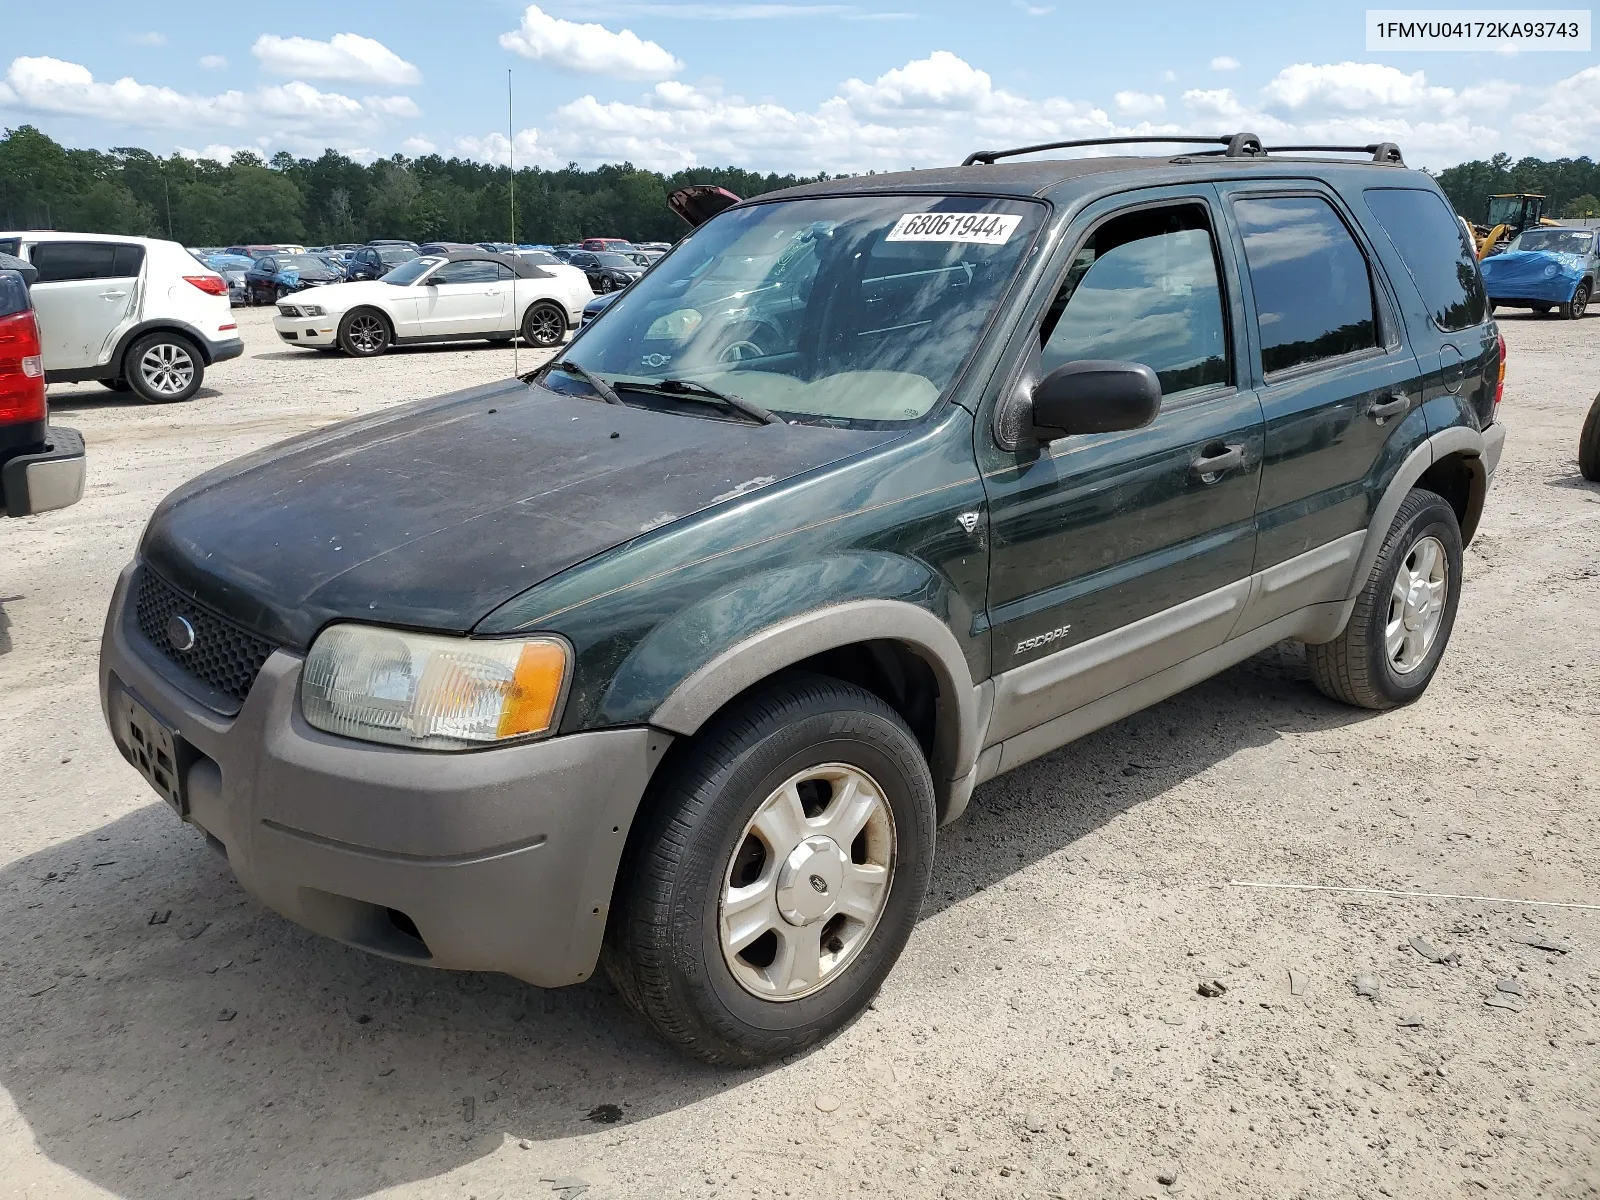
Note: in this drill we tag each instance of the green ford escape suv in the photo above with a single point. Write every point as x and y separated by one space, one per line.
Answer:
673 655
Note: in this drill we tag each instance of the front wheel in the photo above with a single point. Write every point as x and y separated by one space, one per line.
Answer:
364 333
544 325
163 368
1402 619
777 876
1589 444
1579 304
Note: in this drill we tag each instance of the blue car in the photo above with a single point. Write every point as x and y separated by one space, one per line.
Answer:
274 276
1545 268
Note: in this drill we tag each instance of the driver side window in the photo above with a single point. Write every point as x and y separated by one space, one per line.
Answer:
1145 289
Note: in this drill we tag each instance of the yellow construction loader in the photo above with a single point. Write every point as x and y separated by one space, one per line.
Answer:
1509 214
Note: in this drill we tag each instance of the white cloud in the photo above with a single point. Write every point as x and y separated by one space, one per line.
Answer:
493 149
1169 77
1139 104
345 56
418 146
216 152
295 114
1224 62
148 39
1034 10
1351 87
213 62
589 48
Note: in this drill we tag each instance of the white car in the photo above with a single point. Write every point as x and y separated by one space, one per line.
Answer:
439 298
136 314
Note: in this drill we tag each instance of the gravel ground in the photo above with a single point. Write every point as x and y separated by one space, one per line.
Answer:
163 1035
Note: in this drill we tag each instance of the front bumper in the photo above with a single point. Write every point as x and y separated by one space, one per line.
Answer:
495 860
308 331
50 478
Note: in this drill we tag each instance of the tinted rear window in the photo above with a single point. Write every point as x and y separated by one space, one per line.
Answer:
61 262
1432 244
1313 293
9 245
13 294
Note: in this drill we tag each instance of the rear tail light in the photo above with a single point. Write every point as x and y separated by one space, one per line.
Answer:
1500 380
211 285
21 370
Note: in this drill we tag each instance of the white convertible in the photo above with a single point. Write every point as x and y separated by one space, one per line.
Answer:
439 298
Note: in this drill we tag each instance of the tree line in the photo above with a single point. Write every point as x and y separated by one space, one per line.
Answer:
332 199
44 185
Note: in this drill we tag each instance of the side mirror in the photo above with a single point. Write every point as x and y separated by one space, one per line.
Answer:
1095 396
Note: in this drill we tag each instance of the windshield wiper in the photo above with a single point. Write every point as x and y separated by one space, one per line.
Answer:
606 391
691 389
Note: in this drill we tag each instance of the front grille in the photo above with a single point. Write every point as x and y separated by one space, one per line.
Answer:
225 657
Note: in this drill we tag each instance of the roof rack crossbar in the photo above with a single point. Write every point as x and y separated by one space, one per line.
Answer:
1238 145
1382 152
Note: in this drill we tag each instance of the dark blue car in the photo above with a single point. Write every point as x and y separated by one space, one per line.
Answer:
1544 268
274 276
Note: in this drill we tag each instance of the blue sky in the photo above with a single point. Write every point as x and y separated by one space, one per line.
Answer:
789 85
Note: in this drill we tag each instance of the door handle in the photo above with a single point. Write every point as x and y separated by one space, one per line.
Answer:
1209 468
112 295
1382 411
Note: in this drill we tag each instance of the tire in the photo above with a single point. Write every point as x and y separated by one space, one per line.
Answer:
1589 444
365 333
116 385
163 368
544 325
1574 309
665 947
1362 666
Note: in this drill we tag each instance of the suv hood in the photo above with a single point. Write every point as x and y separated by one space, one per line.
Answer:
433 514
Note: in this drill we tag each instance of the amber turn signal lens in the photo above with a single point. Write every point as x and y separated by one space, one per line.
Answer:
530 703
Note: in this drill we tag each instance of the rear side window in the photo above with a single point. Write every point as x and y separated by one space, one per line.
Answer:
9 246
1313 291
63 262
13 294
1144 289
469 271
1432 244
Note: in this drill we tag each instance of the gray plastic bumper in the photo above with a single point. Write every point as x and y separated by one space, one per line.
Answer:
50 479
1494 441
498 860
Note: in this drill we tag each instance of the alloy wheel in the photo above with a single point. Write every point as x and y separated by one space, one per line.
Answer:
546 326
367 333
807 883
1416 605
167 368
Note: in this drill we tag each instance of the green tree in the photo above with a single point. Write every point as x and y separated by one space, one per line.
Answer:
1581 206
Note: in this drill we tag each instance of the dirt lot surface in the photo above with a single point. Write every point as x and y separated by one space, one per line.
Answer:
164 1035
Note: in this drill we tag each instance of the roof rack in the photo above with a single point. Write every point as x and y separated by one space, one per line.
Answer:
1382 152
1238 145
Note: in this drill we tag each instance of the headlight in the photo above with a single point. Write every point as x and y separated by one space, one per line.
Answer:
311 310
431 692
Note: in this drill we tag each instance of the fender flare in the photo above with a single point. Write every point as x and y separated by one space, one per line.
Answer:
1458 439
693 701
158 325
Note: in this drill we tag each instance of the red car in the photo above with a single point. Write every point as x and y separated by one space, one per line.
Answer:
41 465
601 245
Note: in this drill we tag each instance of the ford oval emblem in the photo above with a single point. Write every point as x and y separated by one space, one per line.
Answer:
180 633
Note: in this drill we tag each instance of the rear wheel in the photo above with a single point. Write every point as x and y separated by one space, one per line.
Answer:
544 325
163 368
1589 444
365 333
1579 304
777 876
1402 619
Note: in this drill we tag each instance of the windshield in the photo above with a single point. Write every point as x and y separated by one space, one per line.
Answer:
616 260
393 255
542 258
857 309
306 264
411 270
1557 241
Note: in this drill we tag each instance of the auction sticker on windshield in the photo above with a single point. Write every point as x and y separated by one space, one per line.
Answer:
985 229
